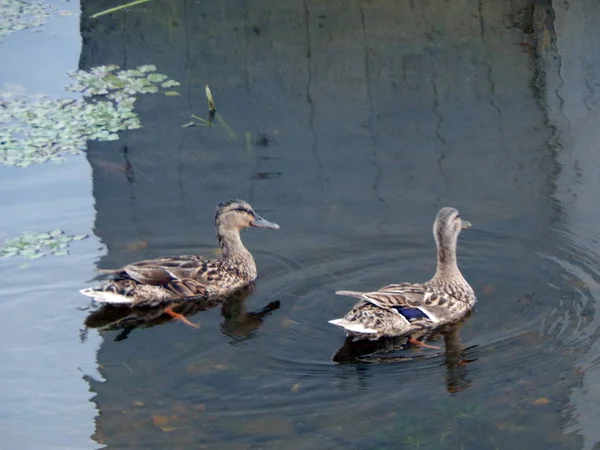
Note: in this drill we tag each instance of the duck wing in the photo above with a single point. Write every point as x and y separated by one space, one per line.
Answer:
155 281
413 301
161 271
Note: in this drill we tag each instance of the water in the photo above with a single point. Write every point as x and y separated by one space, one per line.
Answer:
351 124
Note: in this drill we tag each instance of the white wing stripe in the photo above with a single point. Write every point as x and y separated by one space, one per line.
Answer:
429 314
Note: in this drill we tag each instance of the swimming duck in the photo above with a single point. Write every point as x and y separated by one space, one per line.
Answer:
160 281
415 309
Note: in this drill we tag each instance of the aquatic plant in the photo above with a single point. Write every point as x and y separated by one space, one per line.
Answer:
39 129
21 14
212 114
211 101
119 85
35 245
118 8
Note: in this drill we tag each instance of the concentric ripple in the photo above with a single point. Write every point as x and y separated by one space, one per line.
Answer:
282 370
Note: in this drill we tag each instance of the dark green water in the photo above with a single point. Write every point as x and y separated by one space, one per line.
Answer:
351 124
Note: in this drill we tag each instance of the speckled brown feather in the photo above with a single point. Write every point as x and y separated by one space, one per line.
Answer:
442 304
444 299
157 281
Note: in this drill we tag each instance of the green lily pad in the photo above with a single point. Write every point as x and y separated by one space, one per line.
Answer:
34 130
35 245
21 14
170 83
157 77
147 68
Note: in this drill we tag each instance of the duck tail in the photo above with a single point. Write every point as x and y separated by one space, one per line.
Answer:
106 297
109 271
353 327
350 293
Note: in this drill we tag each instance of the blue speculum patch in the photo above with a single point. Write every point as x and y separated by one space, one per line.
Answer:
411 313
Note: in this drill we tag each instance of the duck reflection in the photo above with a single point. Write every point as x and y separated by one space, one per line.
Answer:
389 350
237 323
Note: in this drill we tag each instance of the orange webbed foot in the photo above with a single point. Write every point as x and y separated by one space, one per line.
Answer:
181 317
418 343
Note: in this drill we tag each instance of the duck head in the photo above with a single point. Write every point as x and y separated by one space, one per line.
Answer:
238 214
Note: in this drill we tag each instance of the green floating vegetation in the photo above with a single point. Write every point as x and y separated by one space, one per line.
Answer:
35 245
119 85
21 14
39 129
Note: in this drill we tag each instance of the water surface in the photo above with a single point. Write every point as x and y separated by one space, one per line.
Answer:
351 124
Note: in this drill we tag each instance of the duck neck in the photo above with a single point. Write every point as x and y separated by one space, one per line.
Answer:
446 259
231 244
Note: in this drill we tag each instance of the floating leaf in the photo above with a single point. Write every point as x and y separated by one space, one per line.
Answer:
171 93
55 233
170 83
157 77
21 14
30 253
35 245
147 68
36 130
151 89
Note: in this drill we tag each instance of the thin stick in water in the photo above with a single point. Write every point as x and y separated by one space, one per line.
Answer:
118 8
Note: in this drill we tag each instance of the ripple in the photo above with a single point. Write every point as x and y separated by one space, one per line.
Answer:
511 348
510 277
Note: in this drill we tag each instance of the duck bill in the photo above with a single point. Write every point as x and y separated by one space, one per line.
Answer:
465 224
262 223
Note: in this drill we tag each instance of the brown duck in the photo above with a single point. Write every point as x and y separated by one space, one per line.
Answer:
160 281
415 309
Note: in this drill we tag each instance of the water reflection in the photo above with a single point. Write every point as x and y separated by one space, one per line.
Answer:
361 120
238 323
44 402
569 67
456 357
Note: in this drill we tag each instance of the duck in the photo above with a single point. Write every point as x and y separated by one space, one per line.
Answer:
413 310
160 281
